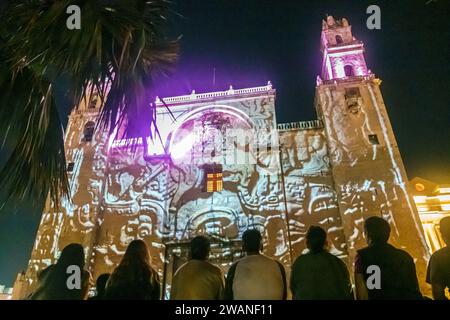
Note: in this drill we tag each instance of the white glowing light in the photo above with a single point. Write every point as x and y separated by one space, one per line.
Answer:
444 198
179 149
420 199
443 190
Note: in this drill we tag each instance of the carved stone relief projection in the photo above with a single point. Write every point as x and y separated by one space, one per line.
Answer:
367 168
75 219
310 194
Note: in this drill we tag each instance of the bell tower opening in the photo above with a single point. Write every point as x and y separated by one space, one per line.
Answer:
348 70
343 54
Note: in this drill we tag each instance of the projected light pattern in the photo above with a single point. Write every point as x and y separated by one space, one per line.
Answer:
353 154
127 195
311 198
119 196
333 172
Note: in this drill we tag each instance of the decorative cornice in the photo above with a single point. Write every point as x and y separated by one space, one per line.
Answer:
300 125
336 81
196 97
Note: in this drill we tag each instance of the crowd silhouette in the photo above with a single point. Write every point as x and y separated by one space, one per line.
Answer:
315 275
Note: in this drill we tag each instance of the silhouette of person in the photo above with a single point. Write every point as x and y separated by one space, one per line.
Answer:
198 279
100 286
66 279
319 275
392 271
134 278
438 272
256 276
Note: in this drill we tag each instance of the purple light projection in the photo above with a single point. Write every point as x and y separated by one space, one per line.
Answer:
337 62
209 135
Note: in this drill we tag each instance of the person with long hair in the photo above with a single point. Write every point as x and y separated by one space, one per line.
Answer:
59 281
134 278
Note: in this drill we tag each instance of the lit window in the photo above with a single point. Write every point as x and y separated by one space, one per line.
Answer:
214 182
213 178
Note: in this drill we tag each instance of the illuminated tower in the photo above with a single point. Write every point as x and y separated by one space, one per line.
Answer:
77 220
367 168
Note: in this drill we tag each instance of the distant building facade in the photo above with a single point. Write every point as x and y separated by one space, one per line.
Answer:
5 293
433 204
225 165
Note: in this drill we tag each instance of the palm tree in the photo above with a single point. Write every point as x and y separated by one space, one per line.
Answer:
120 51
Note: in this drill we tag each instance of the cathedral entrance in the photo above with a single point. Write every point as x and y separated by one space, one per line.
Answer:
223 254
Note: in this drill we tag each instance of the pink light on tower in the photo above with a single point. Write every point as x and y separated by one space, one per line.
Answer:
343 54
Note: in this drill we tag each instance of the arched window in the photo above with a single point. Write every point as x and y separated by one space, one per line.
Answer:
348 69
339 39
88 131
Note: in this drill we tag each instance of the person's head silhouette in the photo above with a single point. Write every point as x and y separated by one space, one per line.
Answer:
100 284
444 226
72 254
316 239
53 280
252 241
136 253
376 231
200 247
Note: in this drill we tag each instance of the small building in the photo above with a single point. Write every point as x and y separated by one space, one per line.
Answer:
433 203
5 292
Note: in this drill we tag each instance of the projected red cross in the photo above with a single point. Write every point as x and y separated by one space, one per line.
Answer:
214 182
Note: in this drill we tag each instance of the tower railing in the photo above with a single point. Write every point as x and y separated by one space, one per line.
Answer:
348 79
300 125
211 95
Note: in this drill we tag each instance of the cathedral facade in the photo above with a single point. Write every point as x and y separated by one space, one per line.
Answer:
223 165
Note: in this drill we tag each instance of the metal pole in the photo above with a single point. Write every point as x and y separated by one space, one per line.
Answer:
285 205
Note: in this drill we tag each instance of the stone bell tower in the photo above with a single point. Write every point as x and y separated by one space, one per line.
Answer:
367 168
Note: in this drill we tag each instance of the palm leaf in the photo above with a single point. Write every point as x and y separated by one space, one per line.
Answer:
37 162
120 51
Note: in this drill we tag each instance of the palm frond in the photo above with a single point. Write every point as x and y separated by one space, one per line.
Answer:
120 52
37 161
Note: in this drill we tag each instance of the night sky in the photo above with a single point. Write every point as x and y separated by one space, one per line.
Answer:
249 42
